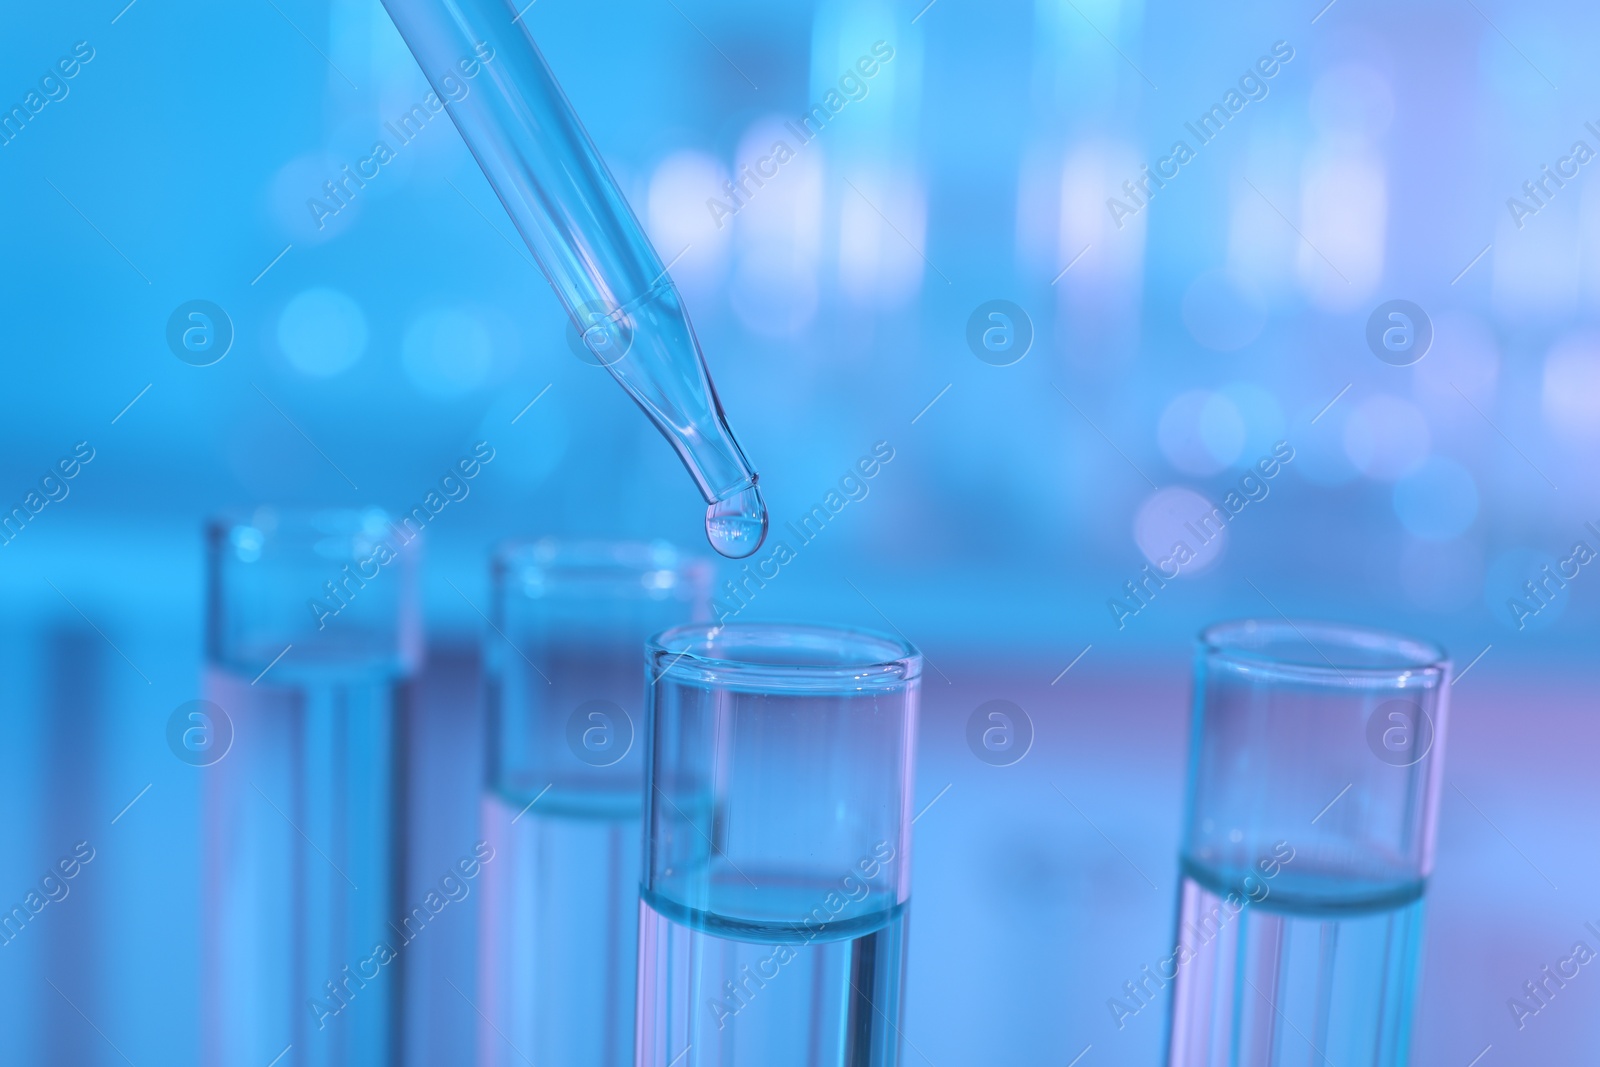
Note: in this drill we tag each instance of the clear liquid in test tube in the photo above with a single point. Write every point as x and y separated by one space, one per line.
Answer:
518 123
303 817
560 907
1315 764
776 888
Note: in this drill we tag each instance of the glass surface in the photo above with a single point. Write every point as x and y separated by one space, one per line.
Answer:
311 630
1313 789
568 208
777 858
558 936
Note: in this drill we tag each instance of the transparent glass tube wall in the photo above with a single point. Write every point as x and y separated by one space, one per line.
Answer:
558 931
778 825
1314 775
312 627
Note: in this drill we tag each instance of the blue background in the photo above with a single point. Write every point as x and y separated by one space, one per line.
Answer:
1168 356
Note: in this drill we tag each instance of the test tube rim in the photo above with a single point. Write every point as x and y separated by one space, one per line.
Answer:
1417 661
339 534
292 520
672 652
581 563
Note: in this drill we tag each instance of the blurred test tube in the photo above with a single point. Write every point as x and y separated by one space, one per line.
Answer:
312 629
562 809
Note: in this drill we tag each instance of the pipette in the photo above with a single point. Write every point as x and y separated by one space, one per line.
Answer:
484 66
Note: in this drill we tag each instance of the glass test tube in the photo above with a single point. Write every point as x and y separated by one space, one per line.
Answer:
559 927
312 626
1315 765
777 855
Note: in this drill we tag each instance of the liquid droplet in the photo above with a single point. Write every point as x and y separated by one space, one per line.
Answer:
737 525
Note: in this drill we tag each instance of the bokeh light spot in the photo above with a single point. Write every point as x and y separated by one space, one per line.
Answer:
1386 437
1177 516
1572 387
1201 432
322 332
447 352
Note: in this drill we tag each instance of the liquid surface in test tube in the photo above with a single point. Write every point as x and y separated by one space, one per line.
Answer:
1323 969
737 526
758 995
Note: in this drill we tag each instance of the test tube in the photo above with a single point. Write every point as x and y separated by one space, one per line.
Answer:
311 629
777 854
1315 763
486 70
559 929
